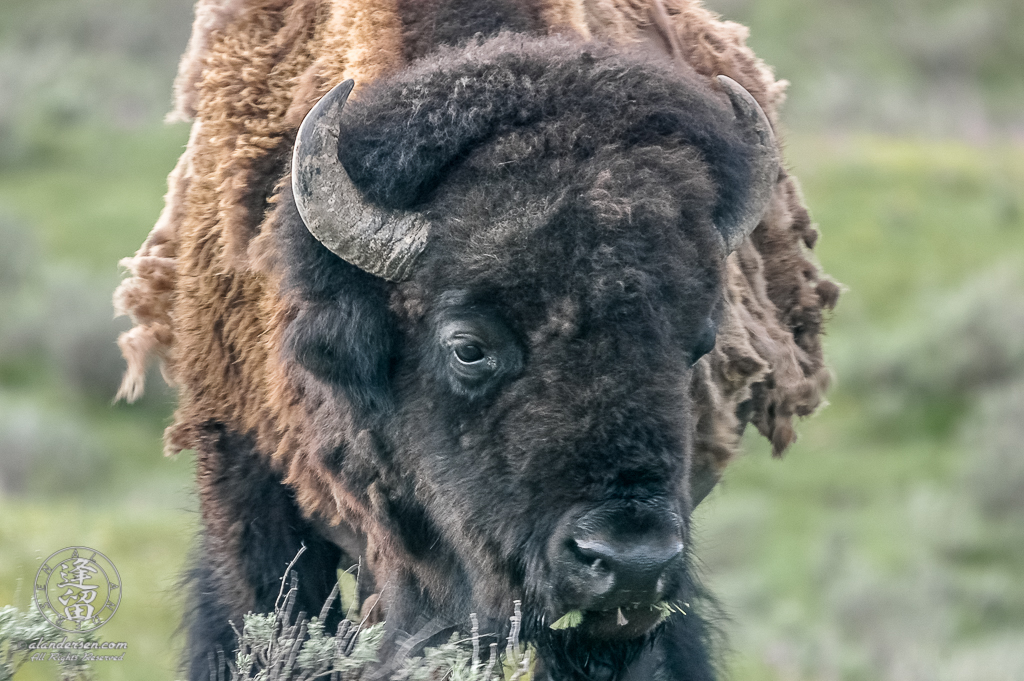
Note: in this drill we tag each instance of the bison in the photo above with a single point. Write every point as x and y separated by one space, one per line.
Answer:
490 328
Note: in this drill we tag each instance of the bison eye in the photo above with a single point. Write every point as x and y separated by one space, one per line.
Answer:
474 352
469 353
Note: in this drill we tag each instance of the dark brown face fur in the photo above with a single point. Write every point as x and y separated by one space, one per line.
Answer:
591 319
587 306
527 385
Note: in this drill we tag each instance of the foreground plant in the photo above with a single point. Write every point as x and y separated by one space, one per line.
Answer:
285 646
23 633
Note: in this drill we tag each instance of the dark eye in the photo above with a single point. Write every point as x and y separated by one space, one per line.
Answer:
469 353
476 352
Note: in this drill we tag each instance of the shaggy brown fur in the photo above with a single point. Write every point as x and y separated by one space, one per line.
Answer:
204 290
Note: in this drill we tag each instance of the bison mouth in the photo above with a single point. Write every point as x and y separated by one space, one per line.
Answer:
602 644
618 624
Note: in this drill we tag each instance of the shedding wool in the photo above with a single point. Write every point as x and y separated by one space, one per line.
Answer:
204 288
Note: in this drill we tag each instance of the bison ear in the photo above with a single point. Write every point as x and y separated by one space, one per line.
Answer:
343 333
736 222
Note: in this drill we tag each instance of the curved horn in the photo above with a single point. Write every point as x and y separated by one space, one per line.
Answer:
764 166
376 240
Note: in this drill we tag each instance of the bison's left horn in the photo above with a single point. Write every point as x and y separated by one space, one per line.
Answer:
377 240
764 164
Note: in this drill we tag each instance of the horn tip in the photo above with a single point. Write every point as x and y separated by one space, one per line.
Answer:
743 103
341 91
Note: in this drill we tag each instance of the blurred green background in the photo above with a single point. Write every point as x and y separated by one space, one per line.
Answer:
887 546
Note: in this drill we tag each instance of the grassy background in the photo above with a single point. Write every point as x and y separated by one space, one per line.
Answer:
888 545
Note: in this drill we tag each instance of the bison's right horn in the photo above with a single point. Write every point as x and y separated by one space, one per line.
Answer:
764 164
376 240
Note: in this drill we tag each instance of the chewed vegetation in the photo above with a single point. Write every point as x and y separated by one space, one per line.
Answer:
887 546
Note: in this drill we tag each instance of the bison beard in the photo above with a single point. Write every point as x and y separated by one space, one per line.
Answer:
518 411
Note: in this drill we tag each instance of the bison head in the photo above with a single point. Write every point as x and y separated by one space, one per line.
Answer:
518 256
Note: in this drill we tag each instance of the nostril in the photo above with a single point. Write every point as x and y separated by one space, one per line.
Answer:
594 554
